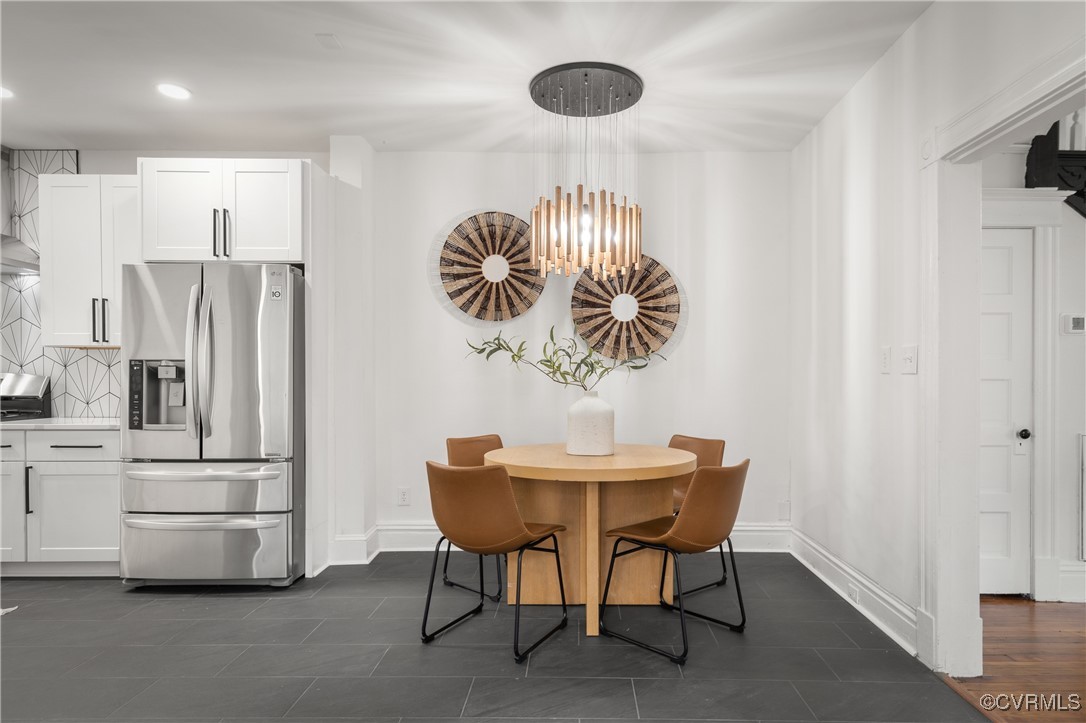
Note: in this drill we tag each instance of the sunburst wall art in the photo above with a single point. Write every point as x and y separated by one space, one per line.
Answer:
634 314
483 267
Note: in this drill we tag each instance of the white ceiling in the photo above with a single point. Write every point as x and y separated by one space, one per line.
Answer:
413 76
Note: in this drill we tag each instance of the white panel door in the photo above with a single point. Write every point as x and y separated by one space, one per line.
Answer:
75 512
181 202
1006 408
120 245
262 200
12 513
70 218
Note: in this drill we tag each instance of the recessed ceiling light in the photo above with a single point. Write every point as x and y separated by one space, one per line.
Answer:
174 91
328 41
5 93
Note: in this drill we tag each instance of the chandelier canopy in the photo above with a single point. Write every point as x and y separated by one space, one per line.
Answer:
586 136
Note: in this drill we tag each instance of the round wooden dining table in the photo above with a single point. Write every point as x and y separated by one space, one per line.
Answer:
590 495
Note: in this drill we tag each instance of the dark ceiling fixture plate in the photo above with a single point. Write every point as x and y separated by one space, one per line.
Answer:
608 89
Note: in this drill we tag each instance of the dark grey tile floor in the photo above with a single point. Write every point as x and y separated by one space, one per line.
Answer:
345 646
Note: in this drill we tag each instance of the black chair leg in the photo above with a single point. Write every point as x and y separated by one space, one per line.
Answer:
615 554
707 586
496 597
736 627
429 637
519 655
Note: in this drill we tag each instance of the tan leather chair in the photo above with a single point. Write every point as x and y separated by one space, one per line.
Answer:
470 452
704 522
710 453
475 509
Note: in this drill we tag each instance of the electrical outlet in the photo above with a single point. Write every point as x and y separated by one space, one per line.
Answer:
885 357
854 593
403 498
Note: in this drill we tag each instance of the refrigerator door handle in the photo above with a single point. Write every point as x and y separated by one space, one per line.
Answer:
192 422
227 524
202 476
205 367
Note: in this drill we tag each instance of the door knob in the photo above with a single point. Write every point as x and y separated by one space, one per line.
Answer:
1024 434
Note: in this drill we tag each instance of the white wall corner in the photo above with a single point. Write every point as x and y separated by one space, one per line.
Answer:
925 639
891 614
1073 581
1046 579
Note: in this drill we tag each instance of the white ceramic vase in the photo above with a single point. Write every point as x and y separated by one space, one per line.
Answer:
590 427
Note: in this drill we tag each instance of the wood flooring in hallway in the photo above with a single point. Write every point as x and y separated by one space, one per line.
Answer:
1030 648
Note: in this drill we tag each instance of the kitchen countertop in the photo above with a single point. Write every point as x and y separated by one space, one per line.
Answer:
64 423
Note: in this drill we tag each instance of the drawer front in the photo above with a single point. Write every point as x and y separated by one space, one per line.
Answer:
199 487
12 445
73 445
205 547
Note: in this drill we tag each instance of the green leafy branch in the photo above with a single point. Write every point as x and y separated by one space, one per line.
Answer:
565 361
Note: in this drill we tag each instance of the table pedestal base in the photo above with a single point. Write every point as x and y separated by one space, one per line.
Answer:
588 510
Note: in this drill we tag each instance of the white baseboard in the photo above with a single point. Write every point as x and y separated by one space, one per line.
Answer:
60 569
358 549
1073 581
422 536
893 616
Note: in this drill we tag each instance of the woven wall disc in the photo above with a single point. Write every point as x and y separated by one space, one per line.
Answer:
485 267
628 315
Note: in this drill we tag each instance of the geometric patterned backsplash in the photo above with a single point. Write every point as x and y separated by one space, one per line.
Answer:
26 166
84 382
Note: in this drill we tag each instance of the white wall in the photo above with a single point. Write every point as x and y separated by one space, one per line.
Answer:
718 221
856 272
124 162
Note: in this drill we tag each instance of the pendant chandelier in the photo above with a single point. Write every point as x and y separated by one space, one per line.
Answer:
586 152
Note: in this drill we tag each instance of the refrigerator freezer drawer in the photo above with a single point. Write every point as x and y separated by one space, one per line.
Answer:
206 547
196 487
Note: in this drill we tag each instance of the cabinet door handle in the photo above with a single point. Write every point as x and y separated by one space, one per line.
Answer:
75 446
26 489
105 324
225 233
215 232
5 446
94 319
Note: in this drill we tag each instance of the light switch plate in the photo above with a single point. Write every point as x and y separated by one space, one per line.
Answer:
886 354
908 359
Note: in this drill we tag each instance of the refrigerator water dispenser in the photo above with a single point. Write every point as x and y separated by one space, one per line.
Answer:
156 398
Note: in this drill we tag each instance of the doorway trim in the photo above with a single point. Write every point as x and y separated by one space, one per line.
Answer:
949 628
1040 210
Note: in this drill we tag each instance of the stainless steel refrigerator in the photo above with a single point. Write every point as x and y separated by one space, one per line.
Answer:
213 423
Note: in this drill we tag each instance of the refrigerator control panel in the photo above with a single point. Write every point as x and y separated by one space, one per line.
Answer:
135 394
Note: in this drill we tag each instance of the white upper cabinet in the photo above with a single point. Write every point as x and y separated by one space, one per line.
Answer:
182 208
89 226
222 209
262 203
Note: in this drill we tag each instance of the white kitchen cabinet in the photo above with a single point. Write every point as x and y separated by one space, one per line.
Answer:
74 512
222 209
89 226
12 511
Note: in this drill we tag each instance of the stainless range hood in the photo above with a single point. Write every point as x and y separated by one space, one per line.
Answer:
16 257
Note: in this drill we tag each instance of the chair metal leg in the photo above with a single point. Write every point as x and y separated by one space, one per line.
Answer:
707 586
736 627
496 597
615 554
429 637
519 655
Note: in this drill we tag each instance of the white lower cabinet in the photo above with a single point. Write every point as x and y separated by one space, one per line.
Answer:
63 503
12 512
74 512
